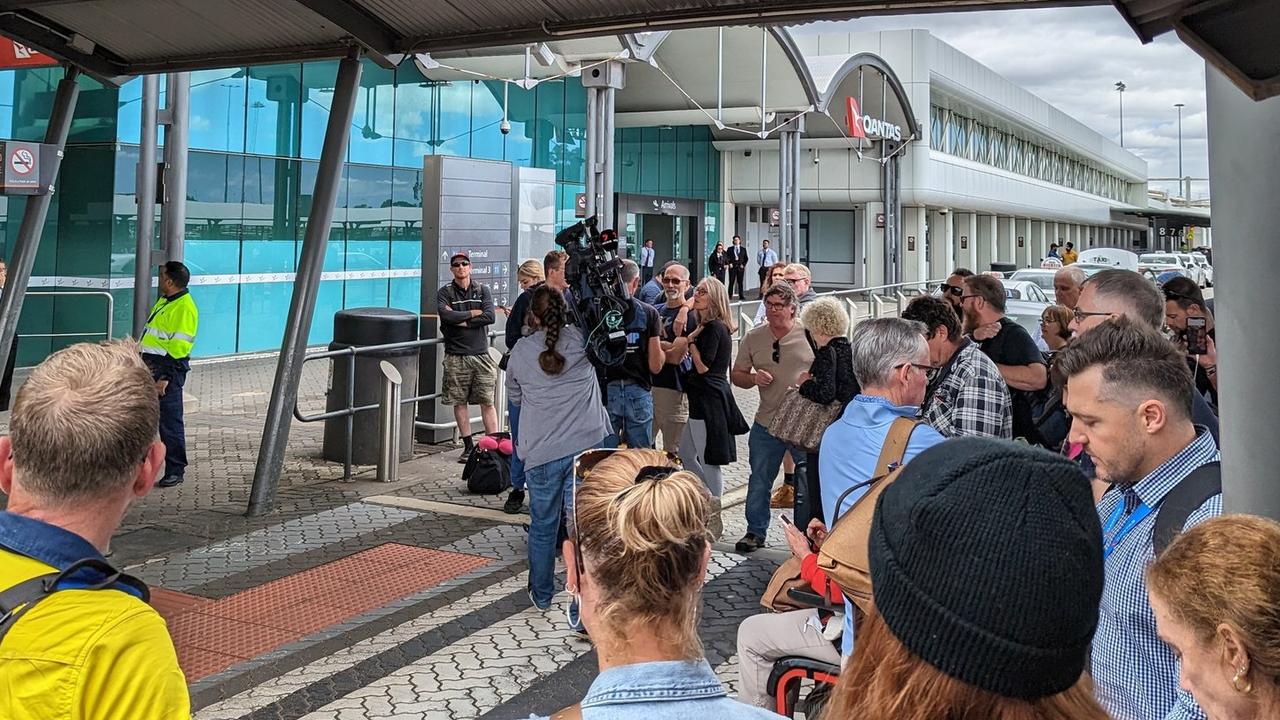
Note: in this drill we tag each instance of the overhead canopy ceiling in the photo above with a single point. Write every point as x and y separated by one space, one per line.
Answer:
1236 36
118 38
129 37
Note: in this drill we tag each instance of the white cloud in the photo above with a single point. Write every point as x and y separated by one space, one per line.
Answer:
1072 57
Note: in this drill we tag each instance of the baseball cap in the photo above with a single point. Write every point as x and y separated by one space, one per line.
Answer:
459 254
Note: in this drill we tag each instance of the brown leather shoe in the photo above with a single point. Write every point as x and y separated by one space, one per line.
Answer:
784 498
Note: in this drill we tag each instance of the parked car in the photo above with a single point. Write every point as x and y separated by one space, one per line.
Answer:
1206 270
1027 313
1188 265
1024 290
1042 278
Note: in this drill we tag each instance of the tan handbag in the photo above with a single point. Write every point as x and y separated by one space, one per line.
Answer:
844 555
800 422
787 576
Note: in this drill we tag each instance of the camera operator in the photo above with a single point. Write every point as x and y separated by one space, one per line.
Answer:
628 384
1184 301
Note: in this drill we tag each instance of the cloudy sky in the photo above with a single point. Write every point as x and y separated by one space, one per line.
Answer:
1072 57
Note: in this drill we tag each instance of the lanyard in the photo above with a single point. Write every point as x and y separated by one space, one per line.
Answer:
1112 534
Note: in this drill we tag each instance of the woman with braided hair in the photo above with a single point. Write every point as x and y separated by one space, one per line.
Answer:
550 378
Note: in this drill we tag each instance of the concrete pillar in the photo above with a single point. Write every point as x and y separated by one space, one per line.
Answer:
966 234
874 255
1037 242
1004 239
942 244
1022 242
986 243
1244 168
914 235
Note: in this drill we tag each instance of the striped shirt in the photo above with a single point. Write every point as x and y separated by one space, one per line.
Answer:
1135 674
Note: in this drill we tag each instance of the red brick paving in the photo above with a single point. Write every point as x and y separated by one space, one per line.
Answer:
213 635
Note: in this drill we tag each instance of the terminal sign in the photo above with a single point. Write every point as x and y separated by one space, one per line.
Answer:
867 127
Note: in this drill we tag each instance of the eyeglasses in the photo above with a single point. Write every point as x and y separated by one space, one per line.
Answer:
1046 321
700 291
585 461
966 297
1080 315
460 263
946 289
777 352
775 305
919 366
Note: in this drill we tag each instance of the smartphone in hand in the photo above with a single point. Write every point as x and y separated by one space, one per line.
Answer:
1197 335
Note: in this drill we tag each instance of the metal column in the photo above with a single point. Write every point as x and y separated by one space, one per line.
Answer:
293 348
601 83
1244 169
146 181
892 216
789 187
173 216
37 209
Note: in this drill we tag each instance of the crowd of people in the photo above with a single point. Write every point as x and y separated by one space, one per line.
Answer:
1084 571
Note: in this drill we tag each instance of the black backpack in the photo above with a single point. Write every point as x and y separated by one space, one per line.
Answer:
18 599
488 472
1185 498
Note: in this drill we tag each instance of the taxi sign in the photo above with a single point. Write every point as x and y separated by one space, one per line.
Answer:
1050 263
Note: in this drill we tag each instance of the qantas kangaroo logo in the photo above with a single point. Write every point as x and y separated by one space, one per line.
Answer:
865 127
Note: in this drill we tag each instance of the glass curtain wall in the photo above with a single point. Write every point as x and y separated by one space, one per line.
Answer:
256 136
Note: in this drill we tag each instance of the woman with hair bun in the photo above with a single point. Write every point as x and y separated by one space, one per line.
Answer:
636 557
1216 595
553 382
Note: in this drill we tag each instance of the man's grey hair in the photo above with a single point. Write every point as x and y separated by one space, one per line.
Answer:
1076 274
880 346
681 270
1138 296
630 271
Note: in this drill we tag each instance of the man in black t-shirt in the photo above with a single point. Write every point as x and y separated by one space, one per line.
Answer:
627 386
1008 345
670 405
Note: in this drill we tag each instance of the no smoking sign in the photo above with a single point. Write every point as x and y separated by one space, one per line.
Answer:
23 161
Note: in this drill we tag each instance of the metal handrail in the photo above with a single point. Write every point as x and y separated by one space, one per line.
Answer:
876 301
351 410
111 313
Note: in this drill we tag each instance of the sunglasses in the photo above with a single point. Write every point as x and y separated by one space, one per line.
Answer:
1080 315
585 461
777 349
946 289
671 281
460 263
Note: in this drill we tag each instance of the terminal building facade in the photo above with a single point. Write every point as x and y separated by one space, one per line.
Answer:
983 171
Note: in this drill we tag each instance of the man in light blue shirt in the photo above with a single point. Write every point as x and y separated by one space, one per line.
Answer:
891 362
1129 395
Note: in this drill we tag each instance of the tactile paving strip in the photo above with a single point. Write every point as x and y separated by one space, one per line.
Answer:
211 636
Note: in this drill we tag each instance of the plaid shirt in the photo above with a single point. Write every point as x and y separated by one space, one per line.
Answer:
1135 675
970 397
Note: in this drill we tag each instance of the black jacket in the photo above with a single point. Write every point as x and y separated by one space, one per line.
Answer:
463 334
831 374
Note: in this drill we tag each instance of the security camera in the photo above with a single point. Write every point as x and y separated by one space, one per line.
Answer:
505 127
746 153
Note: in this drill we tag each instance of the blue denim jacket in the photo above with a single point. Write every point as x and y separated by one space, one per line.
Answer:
673 690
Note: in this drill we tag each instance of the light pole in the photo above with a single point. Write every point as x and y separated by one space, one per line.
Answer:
1179 106
1121 87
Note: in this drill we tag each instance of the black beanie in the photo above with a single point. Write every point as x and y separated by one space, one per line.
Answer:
986 562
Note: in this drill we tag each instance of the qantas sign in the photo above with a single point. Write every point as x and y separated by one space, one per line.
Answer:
867 127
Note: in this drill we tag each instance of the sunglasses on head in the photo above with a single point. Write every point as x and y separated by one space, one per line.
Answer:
585 461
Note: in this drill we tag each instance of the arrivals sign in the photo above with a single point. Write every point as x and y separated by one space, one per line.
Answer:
864 126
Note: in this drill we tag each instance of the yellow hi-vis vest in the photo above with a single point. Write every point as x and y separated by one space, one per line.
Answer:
171 327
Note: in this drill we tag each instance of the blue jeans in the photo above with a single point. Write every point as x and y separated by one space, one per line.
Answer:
630 414
517 465
550 495
766 452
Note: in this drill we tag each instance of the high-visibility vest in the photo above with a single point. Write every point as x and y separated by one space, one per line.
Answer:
171 327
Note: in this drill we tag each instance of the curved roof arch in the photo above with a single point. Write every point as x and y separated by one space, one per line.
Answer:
871 60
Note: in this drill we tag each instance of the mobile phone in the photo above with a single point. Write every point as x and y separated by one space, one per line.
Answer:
1197 336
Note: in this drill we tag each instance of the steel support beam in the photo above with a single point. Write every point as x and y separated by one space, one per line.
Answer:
146 181
37 209
601 84
293 348
789 133
378 39
608 96
173 216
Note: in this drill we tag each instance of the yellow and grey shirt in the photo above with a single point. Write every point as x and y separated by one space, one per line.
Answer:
171 327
